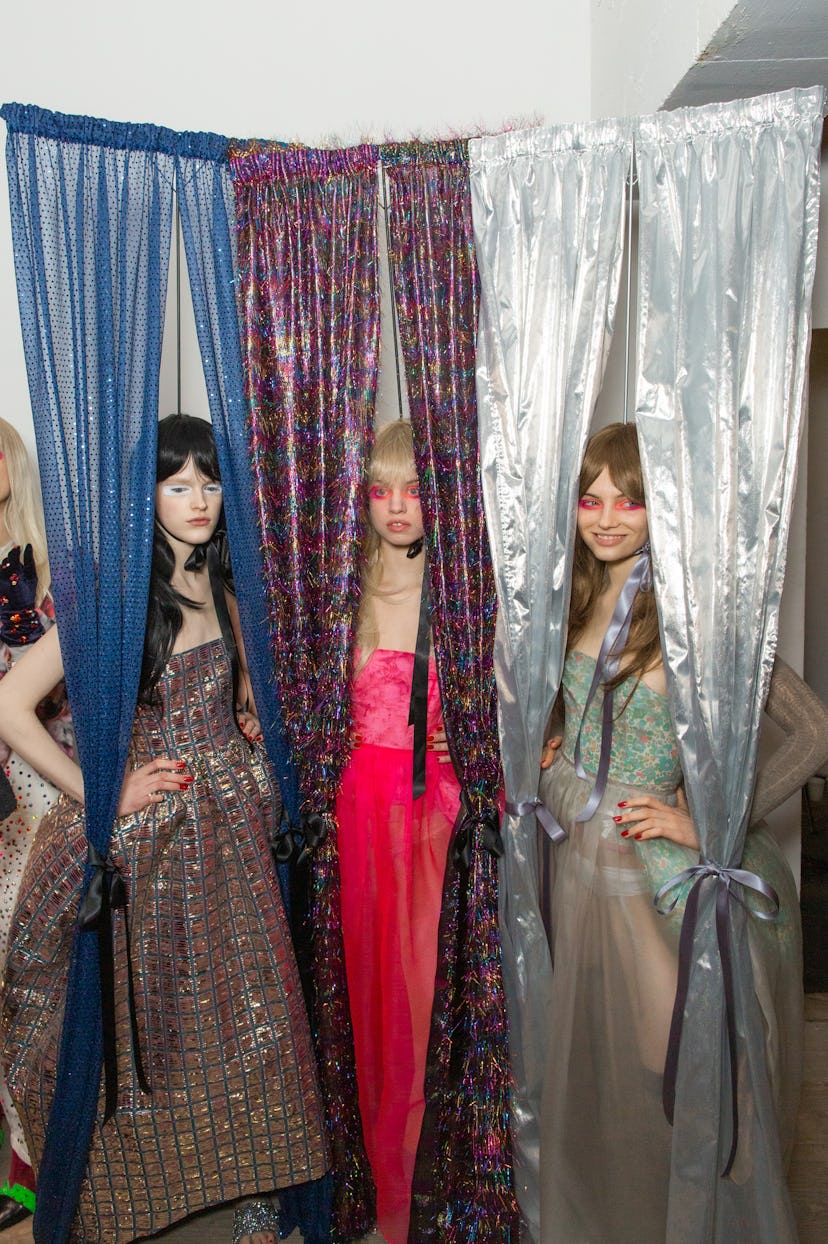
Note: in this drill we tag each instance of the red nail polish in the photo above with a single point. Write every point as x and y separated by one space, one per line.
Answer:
624 833
622 803
637 836
616 818
181 764
184 786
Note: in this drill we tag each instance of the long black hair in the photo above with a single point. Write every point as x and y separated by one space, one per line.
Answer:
180 438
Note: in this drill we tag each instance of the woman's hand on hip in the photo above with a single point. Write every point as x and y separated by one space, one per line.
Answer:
550 750
437 742
644 816
148 785
249 725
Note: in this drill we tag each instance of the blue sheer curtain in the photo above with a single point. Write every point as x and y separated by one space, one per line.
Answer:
205 195
90 207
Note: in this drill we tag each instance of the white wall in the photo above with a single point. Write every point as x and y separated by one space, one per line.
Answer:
338 73
642 48
314 73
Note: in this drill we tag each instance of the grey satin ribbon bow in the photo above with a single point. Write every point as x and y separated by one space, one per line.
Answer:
606 667
726 879
542 814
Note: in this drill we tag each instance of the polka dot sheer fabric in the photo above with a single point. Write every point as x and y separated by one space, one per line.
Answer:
91 217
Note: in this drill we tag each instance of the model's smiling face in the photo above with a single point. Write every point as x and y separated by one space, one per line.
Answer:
188 504
611 525
395 510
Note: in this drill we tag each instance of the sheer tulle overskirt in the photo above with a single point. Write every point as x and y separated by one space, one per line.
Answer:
392 855
605 1143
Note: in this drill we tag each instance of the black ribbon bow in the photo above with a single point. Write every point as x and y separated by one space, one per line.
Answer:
106 893
290 841
488 820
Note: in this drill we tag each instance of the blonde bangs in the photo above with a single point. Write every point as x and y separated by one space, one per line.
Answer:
392 458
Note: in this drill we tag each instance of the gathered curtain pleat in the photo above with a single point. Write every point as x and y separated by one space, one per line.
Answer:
463 1186
727 243
208 211
282 255
307 257
91 211
205 195
549 219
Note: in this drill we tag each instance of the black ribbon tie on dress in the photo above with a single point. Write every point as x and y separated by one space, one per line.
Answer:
418 704
106 893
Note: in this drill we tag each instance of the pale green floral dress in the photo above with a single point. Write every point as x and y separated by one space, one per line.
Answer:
605 1143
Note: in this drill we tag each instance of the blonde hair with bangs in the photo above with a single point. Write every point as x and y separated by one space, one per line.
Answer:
22 514
392 462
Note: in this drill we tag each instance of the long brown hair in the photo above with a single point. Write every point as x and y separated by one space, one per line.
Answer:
392 462
614 448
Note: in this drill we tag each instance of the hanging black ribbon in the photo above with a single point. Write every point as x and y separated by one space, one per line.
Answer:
284 842
726 879
214 570
197 557
418 704
467 820
106 893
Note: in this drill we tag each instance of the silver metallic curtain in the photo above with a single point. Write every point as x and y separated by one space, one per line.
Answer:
727 242
548 209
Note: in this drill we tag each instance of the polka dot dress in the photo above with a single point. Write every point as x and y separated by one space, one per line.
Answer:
34 797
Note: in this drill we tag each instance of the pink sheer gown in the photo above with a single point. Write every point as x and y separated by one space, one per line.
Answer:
392 854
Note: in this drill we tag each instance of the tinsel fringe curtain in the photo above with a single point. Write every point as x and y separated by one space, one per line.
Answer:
307 255
463 1178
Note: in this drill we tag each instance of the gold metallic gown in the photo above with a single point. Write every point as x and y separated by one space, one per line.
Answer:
224 1036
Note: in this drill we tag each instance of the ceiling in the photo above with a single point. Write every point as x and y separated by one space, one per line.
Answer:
763 45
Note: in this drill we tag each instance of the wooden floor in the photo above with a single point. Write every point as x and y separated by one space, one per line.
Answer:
808 1178
809 1169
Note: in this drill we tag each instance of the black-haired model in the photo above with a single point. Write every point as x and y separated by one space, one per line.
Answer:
233 1109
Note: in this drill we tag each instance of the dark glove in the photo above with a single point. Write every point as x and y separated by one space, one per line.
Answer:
19 621
8 802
